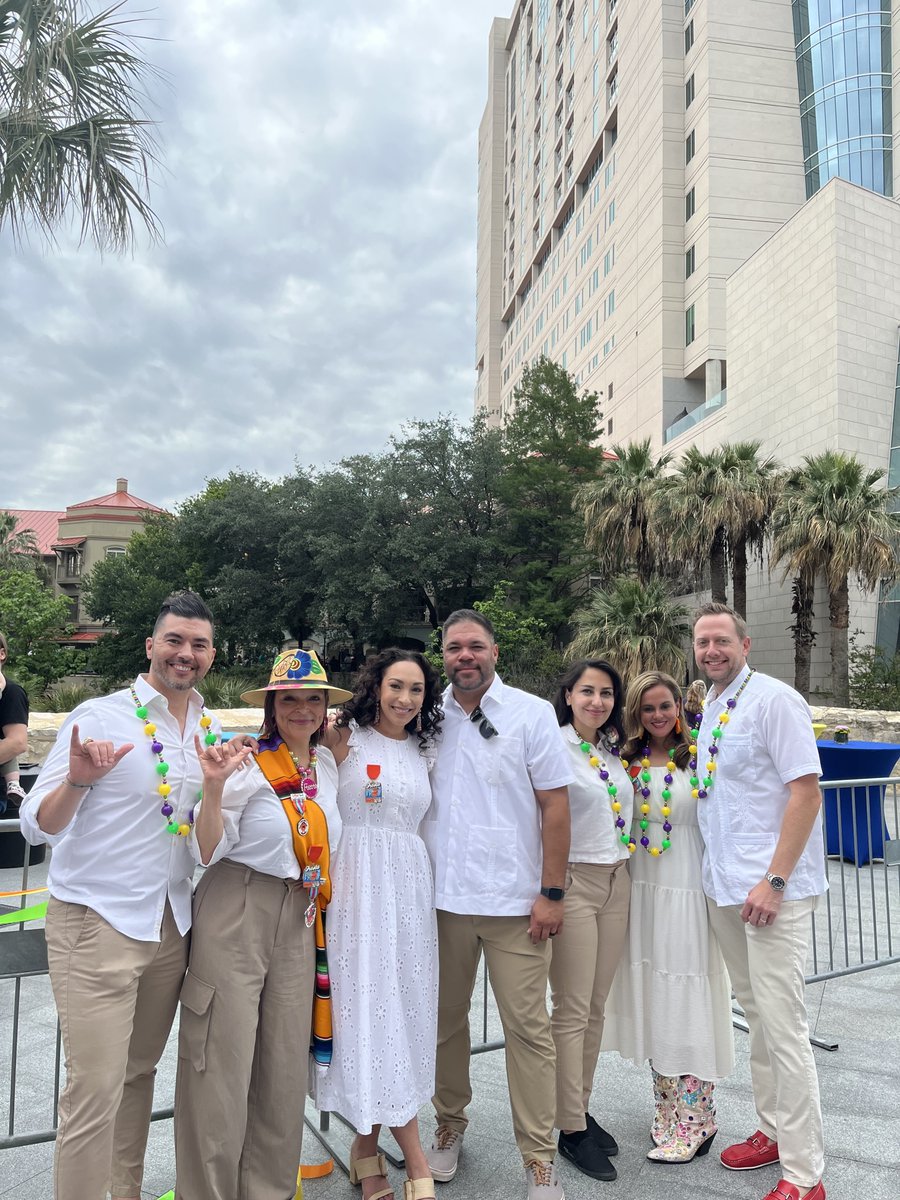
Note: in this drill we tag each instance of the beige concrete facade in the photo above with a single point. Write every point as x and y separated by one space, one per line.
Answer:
657 241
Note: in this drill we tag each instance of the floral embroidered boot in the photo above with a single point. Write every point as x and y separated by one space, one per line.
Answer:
695 1125
665 1093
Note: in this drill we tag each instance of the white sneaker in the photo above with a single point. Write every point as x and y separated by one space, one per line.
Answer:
443 1153
542 1181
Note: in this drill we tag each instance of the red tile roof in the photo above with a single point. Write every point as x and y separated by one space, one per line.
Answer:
42 523
117 500
70 541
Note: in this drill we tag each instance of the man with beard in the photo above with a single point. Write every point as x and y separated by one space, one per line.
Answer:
115 801
498 835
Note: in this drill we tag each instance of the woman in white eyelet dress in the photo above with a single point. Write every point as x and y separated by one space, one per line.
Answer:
381 927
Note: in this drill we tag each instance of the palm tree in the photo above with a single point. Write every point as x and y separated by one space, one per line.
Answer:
752 488
72 130
18 551
833 520
618 508
635 626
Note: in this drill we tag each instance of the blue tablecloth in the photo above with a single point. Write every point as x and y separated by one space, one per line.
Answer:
854 817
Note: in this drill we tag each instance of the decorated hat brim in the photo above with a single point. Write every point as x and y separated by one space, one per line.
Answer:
257 696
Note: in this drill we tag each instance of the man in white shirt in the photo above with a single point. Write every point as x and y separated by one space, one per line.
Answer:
498 836
763 872
115 800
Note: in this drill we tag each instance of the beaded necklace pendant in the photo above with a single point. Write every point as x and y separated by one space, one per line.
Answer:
596 761
698 791
309 785
181 828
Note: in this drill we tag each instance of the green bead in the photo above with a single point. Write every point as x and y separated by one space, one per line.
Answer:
141 712
666 794
694 781
612 789
172 827
645 776
707 782
162 768
666 843
585 746
644 825
624 839
717 732
210 739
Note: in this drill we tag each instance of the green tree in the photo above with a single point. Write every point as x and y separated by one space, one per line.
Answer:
73 136
694 508
833 520
549 452
18 549
636 626
751 486
619 511
33 620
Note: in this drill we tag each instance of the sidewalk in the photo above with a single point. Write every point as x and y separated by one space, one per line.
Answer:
860 1084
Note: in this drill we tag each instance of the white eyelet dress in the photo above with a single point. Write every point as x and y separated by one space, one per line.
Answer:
382 940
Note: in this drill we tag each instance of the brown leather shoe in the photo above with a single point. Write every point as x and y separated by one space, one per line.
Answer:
757 1151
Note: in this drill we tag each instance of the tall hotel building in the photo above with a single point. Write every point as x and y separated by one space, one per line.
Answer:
689 205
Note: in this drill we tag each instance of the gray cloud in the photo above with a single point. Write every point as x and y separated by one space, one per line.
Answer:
316 286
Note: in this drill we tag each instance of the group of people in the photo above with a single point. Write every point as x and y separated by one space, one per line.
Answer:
359 866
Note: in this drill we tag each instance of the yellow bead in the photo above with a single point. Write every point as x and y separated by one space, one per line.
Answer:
692 748
645 762
594 760
654 850
695 793
164 789
206 721
665 810
624 762
616 806
631 847
184 830
710 766
670 766
724 719
645 808
149 729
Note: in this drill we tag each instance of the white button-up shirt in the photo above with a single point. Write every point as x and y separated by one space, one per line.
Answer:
483 830
256 831
595 838
767 743
115 855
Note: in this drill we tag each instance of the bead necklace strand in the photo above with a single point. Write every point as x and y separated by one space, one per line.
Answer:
701 792
164 788
600 767
641 780
308 783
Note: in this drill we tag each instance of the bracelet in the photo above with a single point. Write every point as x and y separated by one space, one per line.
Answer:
82 787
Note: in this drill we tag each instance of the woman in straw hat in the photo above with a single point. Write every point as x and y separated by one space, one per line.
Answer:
267 833
382 934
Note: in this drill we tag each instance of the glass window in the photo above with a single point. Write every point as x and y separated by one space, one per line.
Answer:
690 261
690 331
689 93
688 36
690 204
690 146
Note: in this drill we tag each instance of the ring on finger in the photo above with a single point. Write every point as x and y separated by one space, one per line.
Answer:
87 742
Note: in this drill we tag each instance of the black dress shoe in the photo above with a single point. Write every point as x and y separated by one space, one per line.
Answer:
600 1137
584 1153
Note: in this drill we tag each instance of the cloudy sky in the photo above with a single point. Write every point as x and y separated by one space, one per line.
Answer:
316 284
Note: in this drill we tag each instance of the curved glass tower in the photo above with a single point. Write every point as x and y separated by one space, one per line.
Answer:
844 71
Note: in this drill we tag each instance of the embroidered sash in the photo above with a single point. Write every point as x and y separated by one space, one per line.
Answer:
309 833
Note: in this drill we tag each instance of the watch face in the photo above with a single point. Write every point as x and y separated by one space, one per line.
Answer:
777 882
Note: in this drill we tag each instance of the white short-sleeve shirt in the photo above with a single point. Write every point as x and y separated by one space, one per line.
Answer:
595 838
767 743
483 831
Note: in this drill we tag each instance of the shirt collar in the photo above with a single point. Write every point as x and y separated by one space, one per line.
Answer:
147 694
495 692
570 733
732 687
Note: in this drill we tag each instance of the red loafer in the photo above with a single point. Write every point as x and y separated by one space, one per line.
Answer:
757 1151
789 1191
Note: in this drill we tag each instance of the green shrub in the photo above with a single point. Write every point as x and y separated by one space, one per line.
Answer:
874 678
63 697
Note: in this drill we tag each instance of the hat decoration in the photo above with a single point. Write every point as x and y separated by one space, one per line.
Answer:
297 669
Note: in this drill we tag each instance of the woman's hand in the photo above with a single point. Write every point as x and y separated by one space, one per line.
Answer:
219 762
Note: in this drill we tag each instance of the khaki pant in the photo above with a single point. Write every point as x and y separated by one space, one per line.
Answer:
518 975
767 967
243 1045
583 963
116 999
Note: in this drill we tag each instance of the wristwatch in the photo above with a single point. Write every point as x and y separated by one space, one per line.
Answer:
553 893
776 881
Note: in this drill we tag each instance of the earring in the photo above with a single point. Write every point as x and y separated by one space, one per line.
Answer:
678 724
419 721
377 712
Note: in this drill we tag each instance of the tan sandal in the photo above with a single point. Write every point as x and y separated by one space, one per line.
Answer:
418 1189
368 1168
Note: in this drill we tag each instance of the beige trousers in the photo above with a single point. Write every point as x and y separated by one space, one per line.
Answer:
518 975
583 963
243 1044
767 967
116 999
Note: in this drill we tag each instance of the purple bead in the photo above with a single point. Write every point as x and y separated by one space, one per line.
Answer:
604 775
692 763
730 703
702 793
645 841
667 777
667 827
190 816
156 747
167 810
645 792
714 750
620 822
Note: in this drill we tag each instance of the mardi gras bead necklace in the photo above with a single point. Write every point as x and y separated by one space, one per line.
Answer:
602 770
641 778
164 788
701 792
308 783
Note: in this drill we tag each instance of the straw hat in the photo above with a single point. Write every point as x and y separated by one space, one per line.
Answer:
297 669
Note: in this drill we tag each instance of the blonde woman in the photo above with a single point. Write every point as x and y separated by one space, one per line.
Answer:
670 1002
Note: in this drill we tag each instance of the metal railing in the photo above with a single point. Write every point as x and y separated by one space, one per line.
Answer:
856 928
